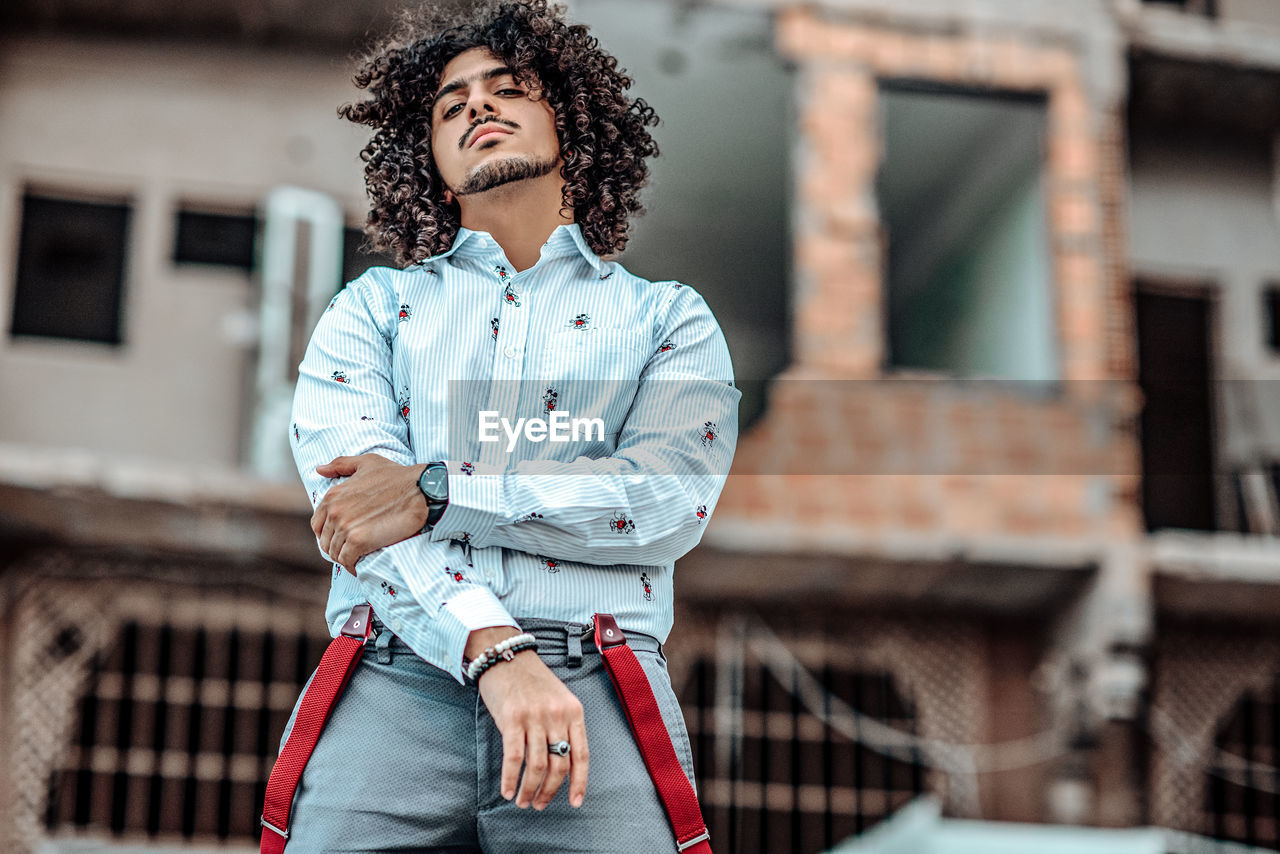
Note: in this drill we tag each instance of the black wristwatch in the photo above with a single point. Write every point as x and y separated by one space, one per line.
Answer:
434 483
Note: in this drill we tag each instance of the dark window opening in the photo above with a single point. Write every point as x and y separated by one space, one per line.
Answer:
71 268
968 284
177 731
1208 8
1241 799
793 783
215 238
1177 426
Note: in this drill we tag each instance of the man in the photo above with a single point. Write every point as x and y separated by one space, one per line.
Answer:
505 164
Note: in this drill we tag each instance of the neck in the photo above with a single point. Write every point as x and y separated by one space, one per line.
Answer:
520 216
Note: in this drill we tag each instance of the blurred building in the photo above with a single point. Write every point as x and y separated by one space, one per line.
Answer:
1002 286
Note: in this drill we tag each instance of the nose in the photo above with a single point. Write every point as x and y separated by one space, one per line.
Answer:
481 103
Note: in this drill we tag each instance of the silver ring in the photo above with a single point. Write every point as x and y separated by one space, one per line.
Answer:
559 748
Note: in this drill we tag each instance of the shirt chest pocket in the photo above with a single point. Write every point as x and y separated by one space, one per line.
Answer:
593 373
595 354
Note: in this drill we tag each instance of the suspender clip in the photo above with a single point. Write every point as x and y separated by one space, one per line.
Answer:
358 624
607 632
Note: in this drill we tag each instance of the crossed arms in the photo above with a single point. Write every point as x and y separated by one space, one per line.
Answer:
353 451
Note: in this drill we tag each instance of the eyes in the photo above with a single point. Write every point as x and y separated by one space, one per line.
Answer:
506 92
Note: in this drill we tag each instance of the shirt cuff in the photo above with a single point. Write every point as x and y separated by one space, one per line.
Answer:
475 497
465 613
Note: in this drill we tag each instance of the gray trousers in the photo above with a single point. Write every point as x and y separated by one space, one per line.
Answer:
410 760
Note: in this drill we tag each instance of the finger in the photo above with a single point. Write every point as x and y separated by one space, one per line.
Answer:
557 770
331 539
318 518
578 757
347 557
536 761
512 759
338 467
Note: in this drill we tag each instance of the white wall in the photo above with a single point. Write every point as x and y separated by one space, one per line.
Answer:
1202 209
161 123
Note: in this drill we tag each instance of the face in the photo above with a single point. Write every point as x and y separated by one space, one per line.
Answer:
488 130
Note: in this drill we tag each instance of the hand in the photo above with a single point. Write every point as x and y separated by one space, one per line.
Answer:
532 708
379 504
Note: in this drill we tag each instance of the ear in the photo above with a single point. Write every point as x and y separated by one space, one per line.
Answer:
448 197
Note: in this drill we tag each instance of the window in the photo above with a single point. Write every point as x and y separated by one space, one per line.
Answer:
960 196
178 730
1242 803
71 268
793 782
215 238
1208 8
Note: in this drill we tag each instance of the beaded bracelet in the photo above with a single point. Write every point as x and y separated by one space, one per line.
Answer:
502 651
481 665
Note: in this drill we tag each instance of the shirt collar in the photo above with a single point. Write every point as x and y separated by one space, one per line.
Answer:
565 240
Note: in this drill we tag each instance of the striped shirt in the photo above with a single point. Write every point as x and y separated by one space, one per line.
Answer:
411 364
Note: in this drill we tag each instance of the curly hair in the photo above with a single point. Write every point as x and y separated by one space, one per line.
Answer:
603 134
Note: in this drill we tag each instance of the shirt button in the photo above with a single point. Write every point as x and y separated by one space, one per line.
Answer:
395 624
488 574
510 352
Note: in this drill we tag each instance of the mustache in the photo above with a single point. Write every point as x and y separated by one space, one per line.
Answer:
471 132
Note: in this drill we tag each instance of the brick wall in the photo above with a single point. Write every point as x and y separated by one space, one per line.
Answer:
900 453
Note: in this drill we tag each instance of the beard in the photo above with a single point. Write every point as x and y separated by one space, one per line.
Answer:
506 171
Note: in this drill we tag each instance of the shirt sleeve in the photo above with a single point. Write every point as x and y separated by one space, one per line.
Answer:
345 404
648 502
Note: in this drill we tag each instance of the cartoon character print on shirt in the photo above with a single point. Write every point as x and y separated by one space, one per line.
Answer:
550 564
388 590
467 468
493 324
604 276
701 512
405 312
510 297
647 586
581 321
666 346
339 377
709 434
456 575
297 437
403 402
528 517
620 524
549 400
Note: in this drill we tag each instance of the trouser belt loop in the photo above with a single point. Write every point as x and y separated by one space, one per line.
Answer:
383 646
574 655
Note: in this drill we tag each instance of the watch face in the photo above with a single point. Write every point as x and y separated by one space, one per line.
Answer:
434 483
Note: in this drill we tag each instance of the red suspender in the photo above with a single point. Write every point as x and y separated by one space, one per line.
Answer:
625 672
326 686
651 734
